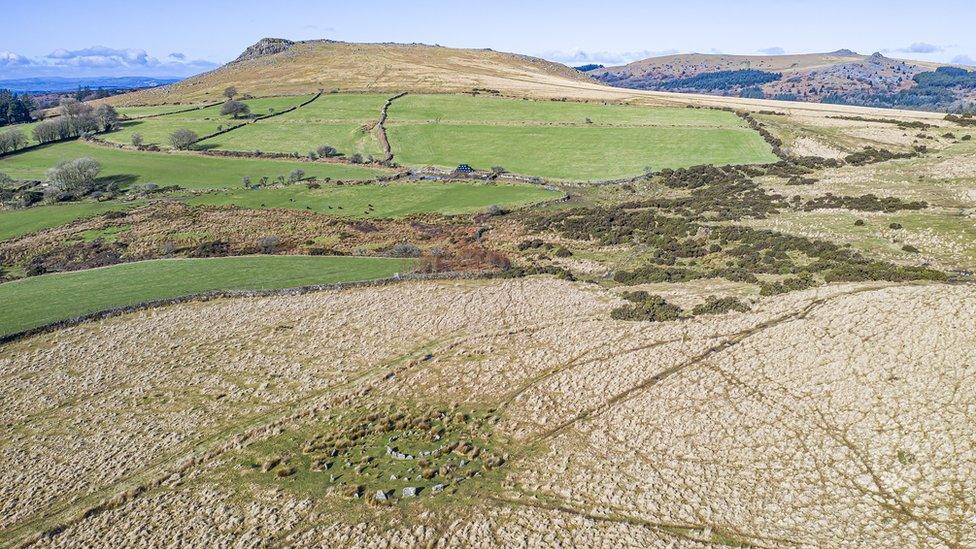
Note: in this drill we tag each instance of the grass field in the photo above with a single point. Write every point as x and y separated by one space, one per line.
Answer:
43 299
15 223
575 153
387 200
153 110
186 170
572 141
156 130
453 109
338 120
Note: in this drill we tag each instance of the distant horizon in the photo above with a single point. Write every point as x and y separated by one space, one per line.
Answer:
122 39
10 82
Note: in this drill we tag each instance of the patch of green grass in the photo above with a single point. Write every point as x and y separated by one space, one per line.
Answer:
108 234
156 130
387 200
380 449
338 120
294 136
186 170
565 140
15 223
39 300
153 110
453 109
575 153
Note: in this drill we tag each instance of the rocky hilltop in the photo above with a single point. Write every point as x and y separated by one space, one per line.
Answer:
842 76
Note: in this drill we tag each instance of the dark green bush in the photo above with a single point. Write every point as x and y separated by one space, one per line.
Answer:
648 308
718 305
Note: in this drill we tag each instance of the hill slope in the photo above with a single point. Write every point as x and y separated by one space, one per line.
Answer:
282 67
842 76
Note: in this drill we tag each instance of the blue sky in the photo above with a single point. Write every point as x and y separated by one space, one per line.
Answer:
182 37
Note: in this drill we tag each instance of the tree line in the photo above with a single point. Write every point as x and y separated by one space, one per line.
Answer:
15 109
76 119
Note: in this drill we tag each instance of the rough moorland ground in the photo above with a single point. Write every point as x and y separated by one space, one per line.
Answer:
819 418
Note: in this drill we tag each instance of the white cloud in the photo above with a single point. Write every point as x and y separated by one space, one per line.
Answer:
775 50
100 56
609 58
100 61
918 47
964 60
10 59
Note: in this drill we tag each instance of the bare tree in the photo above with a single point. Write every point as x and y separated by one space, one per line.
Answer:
72 107
230 92
54 129
137 139
11 140
108 117
296 175
74 177
183 139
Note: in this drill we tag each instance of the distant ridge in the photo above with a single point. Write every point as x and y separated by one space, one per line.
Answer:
54 84
842 76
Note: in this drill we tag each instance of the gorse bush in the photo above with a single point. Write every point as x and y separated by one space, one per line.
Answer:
646 307
327 151
718 305
404 249
864 203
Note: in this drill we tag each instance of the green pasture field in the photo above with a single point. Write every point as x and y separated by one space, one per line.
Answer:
454 109
156 130
16 223
40 300
343 121
186 170
387 200
566 140
576 153
154 110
